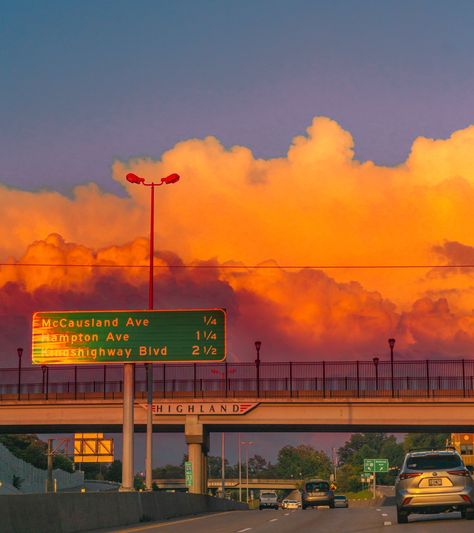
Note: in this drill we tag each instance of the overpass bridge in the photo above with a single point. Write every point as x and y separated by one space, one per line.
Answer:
270 484
199 399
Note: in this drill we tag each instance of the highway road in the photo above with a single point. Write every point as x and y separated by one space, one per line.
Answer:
353 520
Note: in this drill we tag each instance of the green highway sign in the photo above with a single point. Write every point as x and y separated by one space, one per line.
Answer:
188 472
85 337
375 465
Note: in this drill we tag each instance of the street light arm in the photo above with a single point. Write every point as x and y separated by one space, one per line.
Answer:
133 178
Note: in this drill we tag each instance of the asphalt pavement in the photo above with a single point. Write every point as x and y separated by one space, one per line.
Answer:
353 520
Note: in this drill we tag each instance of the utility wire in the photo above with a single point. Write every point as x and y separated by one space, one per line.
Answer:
234 267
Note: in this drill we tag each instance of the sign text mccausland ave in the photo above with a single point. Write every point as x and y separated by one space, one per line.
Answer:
75 337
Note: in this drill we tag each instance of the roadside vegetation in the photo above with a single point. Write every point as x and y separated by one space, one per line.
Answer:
382 446
293 462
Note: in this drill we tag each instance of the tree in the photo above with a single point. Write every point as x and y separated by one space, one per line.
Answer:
372 441
31 449
168 472
114 472
369 446
302 461
348 478
430 441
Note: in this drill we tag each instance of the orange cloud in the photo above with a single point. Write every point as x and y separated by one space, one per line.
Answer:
317 205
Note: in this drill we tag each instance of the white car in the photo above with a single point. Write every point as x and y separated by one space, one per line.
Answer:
292 504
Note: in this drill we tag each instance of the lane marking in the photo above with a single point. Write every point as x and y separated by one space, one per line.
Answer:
167 523
378 509
287 514
273 519
384 514
242 530
387 523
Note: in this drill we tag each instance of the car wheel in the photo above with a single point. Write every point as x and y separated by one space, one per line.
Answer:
303 507
331 505
469 514
402 517
260 508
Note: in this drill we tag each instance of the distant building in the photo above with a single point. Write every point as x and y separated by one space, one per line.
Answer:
464 444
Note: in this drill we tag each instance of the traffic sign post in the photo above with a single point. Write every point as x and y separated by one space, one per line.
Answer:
374 466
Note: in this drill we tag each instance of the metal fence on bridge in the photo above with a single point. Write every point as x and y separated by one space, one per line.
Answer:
324 379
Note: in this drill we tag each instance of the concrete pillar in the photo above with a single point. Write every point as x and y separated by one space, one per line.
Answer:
197 447
204 472
195 456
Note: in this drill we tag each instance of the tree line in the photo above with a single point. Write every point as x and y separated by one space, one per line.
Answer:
293 462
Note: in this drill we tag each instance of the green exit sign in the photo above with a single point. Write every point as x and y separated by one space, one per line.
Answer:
375 465
85 337
188 472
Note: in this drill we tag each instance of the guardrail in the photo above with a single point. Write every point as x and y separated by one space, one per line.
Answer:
324 379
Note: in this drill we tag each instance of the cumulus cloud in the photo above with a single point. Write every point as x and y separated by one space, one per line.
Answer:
316 206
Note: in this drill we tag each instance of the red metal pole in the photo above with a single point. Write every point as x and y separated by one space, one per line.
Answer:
152 245
148 366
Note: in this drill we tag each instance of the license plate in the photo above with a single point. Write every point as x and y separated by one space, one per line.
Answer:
435 482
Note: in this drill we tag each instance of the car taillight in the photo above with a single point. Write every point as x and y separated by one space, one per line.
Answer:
464 473
409 475
406 501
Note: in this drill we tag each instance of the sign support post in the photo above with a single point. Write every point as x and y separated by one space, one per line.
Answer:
127 451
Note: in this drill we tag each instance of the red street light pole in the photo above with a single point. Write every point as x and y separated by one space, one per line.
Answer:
20 353
133 178
258 344
391 343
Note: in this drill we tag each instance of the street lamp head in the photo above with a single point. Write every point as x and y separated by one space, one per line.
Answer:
20 352
44 368
133 178
376 361
172 178
391 343
257 345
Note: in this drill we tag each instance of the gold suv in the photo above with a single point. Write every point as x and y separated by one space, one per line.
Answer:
434 481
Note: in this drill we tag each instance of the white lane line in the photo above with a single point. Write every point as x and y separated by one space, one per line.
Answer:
384 514
287 514
273 519
378 510
242 530
387 523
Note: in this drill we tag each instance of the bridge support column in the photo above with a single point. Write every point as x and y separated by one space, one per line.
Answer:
205 451
197 448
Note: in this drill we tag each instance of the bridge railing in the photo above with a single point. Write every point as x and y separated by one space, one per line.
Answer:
325 379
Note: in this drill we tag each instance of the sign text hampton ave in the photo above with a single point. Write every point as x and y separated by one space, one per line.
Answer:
84 337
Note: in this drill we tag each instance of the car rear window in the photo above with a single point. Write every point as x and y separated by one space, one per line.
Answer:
268 494
433 462
317 486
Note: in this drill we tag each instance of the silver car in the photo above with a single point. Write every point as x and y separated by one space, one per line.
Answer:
432 482
317 492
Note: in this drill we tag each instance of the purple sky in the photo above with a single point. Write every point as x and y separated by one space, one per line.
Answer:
86 82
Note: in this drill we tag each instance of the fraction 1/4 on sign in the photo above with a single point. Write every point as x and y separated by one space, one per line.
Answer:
209 320
206 335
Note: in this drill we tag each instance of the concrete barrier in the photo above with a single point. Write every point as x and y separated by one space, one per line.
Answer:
74 512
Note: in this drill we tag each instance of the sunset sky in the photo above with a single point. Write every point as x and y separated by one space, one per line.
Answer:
308 135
